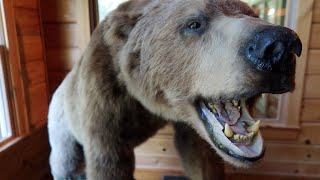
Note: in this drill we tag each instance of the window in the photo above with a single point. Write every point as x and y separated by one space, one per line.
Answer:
5 126
273 11
105 6
269 107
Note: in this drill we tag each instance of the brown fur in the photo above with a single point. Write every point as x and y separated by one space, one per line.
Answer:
139 72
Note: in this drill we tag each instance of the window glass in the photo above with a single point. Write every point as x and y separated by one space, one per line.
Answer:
5 126
105 6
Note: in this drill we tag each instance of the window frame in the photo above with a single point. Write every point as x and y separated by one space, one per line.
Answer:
288 126
12 68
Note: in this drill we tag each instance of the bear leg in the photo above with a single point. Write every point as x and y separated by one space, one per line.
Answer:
199 160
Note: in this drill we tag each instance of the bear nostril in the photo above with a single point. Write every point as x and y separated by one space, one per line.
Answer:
274 52
273 48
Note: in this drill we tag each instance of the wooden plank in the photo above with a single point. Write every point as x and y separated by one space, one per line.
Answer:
27 21
143 174
163 146
316 12
61 35
167 130
33 4
26 158
59 11
311 110
57 75
242 176
280 168
309 134
55 79
158 146
315 36
83 21
312 86
279 134
38 104
292 152
31 48
313 62
158 163
62 59
18 103
35 72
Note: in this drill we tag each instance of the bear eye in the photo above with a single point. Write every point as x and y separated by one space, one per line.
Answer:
194 25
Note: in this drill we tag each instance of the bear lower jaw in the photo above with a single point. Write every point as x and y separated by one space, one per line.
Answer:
237 136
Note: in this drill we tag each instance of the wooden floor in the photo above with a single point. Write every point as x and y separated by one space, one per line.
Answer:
158 175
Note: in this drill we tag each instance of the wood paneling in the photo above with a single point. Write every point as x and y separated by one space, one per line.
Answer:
55 79
292 152
66 35
309 134
38 104
59 11
62 59
157 146
26 158
315 37
281 168
61 35
242 176
158 162
316 11
32 4
312 86
314 62
27 21
35 72
143 174
31 48
311 110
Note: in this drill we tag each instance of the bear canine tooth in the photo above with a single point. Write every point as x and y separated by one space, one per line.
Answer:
254 128
228 131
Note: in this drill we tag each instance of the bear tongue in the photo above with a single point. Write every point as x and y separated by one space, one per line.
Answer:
231 115
227 113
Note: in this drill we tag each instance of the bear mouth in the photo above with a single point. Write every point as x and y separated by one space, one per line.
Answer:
232 129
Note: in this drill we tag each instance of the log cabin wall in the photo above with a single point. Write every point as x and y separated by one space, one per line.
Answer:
29 151
289 159
31 47
65 36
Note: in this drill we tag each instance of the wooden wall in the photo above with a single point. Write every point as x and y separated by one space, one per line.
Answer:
65 36
31 47
26 156
289 159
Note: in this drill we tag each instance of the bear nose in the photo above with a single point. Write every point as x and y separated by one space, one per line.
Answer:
273 48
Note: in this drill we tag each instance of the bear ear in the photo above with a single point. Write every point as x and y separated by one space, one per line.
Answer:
120 22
